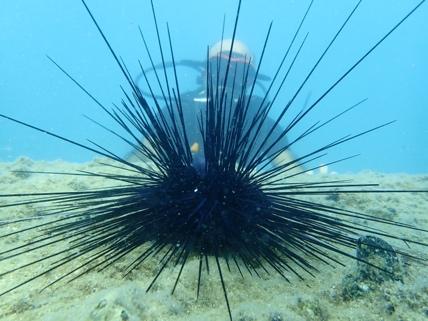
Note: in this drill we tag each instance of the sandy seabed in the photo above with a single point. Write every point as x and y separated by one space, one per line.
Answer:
107 295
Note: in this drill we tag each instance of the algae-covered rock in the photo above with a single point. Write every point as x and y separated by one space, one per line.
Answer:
377 263
377 260
313 310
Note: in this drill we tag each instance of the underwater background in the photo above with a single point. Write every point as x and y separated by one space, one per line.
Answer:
393 78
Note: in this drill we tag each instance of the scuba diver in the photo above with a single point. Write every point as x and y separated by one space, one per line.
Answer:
241 74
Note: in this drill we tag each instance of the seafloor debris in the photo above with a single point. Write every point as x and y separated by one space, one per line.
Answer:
377 263
384 262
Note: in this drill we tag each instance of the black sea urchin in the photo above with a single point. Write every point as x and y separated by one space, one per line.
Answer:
225 205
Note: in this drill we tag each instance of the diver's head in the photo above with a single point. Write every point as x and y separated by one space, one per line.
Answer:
241 67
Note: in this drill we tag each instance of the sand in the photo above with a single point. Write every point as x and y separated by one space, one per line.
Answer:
107 295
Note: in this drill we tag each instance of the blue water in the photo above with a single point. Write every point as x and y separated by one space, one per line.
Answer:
393 78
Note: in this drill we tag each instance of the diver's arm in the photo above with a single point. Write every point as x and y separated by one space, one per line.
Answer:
286 156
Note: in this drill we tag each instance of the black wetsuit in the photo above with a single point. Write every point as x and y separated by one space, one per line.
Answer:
197 101
194 103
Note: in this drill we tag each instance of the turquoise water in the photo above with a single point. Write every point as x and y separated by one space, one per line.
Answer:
393 78
32 89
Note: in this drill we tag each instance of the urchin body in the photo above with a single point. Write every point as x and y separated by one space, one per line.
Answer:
213 212
224 202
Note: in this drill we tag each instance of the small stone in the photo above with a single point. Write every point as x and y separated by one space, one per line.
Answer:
351 288
124 316
276 317
364 287
392 211
312 309
99 310
101 304
389 309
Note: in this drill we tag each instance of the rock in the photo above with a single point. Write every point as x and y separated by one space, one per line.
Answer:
21 168
379 260
389 309
377 263
276 317
312 310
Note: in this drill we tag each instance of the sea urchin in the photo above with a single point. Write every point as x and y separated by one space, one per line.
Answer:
223 205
